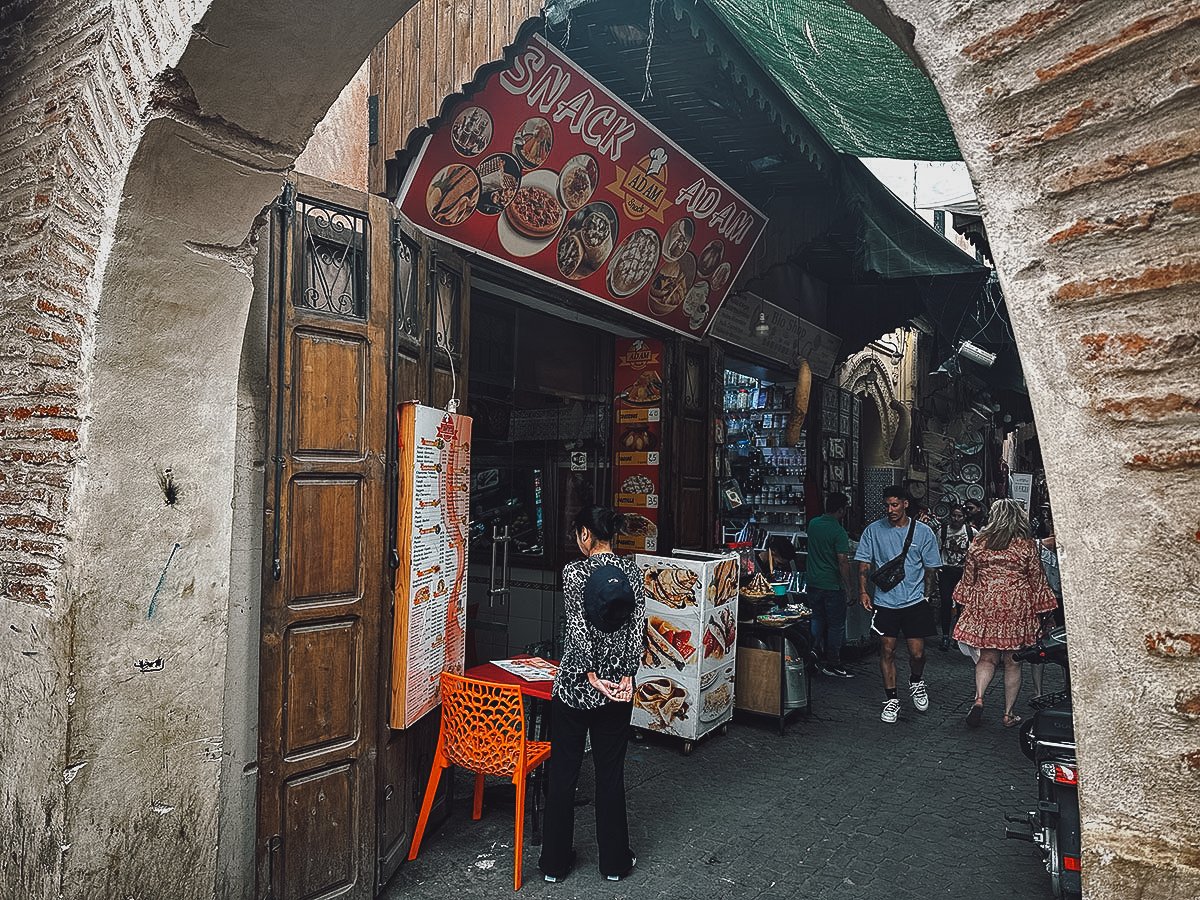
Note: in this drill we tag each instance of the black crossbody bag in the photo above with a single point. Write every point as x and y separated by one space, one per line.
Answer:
891 573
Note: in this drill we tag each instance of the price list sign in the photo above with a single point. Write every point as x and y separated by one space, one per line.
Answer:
638 381
431 539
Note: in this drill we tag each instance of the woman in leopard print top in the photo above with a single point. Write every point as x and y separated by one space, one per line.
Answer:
605 608
591 654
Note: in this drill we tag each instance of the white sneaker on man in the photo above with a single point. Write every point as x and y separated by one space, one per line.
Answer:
891 711
920 696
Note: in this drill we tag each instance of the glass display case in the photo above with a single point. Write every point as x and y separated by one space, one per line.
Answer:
770 471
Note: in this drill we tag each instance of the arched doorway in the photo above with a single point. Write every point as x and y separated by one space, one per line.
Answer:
1082 213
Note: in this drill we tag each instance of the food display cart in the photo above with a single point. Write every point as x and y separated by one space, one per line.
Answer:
686 683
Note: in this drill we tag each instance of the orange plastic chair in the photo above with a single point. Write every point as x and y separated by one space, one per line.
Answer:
483 731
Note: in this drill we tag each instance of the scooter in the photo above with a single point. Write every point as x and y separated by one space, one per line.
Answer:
1048 740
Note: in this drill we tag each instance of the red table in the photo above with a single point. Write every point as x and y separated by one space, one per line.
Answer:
493 674
537 691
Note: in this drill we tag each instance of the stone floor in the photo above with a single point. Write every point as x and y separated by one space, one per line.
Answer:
843 807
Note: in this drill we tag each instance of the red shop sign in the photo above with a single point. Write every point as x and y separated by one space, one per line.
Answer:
545 170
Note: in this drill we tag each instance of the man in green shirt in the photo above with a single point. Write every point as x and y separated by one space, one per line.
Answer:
829 586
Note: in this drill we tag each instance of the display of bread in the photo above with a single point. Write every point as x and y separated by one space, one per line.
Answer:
757 587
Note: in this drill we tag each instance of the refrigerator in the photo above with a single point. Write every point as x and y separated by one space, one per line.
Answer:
686 682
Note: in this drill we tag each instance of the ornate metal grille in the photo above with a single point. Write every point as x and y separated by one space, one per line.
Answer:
405 270
447 310
334 274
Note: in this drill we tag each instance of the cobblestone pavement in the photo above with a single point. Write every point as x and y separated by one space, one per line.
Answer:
844 807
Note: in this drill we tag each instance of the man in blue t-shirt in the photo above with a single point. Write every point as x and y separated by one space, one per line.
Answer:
906 607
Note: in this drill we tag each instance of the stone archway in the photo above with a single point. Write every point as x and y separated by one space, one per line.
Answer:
147 147
176 124
1070 118
867 377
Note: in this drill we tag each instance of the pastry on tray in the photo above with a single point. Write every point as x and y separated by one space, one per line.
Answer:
757 588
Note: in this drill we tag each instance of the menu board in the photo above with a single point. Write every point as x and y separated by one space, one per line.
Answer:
686 682
429 636
637 437
545 170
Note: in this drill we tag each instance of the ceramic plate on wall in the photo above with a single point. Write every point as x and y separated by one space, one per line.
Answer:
972 472
974 491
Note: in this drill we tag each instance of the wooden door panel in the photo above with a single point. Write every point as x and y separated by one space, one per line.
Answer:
323 583
321 701
318 809
692 432
329 380
325 540
403 760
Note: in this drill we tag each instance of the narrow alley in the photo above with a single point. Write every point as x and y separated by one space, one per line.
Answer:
842 807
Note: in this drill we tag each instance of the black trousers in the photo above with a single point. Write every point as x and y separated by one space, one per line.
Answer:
948 579
569 727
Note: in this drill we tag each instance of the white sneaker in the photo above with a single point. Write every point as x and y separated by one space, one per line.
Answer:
920 696
891 711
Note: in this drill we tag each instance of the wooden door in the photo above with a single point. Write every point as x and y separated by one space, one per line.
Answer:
325 560
430 290
692 471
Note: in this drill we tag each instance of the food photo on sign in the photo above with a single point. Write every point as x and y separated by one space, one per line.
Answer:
638 396
543 169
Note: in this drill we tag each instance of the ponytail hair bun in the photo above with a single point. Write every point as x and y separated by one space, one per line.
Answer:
603 522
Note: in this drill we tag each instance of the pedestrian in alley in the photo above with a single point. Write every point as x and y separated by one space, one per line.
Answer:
605 608
1004 595
899 556
830 588
957 535
974 510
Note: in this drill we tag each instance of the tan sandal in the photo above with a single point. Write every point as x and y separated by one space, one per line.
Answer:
1011 719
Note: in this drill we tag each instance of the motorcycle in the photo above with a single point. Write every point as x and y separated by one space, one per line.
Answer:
1048 740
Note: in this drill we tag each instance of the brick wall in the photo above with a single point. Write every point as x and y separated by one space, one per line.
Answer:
76 78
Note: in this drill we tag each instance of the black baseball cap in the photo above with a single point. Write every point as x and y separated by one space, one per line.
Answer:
608 599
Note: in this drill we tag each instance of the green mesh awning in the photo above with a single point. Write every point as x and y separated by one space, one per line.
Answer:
858 88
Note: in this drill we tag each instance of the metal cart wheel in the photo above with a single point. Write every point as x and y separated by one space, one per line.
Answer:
687 747
724 729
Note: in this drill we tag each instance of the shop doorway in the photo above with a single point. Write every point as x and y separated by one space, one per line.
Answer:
541 399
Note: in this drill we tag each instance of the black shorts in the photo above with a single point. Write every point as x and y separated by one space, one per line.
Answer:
915 621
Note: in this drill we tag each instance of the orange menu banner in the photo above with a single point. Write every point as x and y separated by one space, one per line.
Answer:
543 169
637 437
429 635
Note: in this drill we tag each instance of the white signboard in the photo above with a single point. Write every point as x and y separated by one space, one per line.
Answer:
789 338
1021 488
431 539
686 682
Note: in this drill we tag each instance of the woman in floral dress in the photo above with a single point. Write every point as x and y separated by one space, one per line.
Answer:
1003 592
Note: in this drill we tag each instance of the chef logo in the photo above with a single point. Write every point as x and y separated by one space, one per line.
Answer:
638 356
644 187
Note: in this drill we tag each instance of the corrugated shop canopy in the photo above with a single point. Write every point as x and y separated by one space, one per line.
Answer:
859 89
